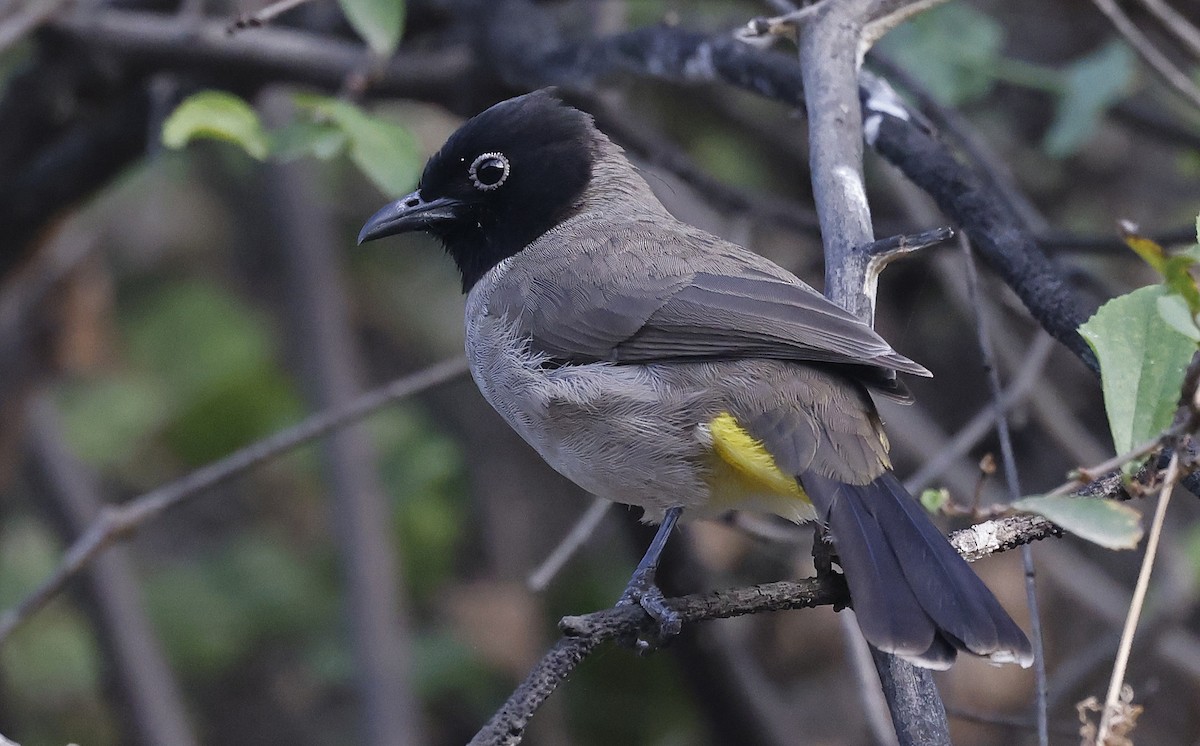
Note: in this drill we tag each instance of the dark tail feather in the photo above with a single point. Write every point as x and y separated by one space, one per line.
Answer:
913 594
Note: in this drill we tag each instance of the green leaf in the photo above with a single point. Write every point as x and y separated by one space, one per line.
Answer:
934 499
1148 249
953 49
385 152
1191 252
216 115
1142 363
299 138
223 388
379 22
1105 522
1174 310
1177 275
1091 85
1176 269
110 418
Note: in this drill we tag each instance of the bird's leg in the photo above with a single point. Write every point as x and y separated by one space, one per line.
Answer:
642 590
822 552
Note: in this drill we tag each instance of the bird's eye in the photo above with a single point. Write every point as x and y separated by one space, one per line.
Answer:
489 171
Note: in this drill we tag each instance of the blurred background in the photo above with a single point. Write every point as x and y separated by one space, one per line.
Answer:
165 304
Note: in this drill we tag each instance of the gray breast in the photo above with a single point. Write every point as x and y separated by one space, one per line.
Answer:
620 432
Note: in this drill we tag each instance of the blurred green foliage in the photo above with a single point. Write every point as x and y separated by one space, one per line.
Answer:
200 376
957 52
50 670
952 49
379 22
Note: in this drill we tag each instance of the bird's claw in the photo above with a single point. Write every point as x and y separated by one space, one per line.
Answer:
667 622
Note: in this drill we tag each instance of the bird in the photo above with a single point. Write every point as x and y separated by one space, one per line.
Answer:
657 365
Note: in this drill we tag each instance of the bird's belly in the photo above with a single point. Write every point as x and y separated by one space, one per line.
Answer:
605 428
625 433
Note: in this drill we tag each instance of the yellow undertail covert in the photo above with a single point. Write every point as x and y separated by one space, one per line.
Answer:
749 458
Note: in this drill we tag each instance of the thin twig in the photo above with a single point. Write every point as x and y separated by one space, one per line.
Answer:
571 543
784 25
1174 22
1112 700
1084 476
272 53
866 679
1081 583
1166 69
968 436
116 522
1011 478
263 16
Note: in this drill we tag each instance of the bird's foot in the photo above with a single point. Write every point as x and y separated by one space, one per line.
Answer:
642 591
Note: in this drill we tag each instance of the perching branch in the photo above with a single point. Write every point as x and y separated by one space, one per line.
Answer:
583 634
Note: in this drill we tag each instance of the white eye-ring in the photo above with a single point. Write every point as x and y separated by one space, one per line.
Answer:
489 171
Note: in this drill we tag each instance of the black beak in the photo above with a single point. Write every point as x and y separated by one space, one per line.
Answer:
409 213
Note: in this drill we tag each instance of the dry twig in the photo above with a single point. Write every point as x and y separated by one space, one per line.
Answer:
1171 75
116 522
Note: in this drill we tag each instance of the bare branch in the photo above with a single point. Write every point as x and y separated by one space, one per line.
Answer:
117 522
265 54
508 724
829 67
585 633
1171 75
1174 22
830 56
995 230
1117 682
1012 481
571 543
264 16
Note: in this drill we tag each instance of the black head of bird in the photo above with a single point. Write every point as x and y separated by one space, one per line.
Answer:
506 177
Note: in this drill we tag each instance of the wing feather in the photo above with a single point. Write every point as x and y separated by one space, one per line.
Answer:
650 292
